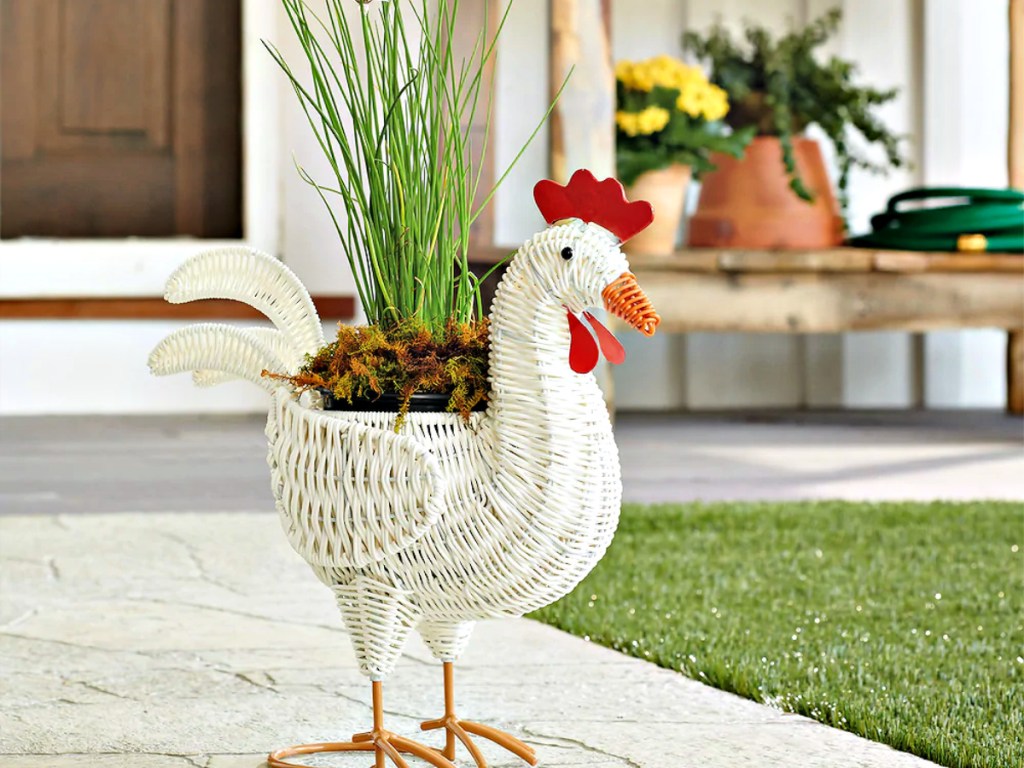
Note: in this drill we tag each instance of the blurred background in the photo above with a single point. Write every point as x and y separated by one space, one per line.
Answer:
163 126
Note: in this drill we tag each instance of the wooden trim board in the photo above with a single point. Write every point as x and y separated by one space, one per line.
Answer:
329 308
1015 170
844 260
832 302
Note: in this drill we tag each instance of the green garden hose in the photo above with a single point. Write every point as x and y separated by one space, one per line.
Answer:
978 220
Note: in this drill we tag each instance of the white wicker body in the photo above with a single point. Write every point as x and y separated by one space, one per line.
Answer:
445 522
489 553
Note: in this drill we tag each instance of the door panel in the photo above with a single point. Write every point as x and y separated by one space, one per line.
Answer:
113 63
120 118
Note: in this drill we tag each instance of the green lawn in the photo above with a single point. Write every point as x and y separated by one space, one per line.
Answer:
900 622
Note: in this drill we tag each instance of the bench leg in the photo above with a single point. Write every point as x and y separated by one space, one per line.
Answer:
1015 373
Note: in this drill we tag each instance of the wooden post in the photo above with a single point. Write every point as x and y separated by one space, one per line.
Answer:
1016 138
582 126
1015 370
1015 345
472 18
583 122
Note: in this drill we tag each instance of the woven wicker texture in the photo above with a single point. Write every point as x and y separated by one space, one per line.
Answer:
447 521
258 280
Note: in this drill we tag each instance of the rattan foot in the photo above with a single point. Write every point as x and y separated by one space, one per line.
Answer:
461 730
387 745
393 746
279 759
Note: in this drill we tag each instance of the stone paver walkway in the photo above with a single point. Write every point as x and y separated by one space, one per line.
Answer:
170 640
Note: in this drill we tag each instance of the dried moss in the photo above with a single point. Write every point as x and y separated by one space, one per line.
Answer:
365 362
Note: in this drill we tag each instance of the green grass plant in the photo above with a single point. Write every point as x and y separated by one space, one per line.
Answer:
903 623
392 105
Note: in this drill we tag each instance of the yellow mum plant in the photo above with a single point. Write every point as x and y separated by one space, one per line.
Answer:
670 114
651 120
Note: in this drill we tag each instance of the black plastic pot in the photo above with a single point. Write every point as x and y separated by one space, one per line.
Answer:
421 402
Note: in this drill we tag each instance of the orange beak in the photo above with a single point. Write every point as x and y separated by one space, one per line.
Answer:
624 299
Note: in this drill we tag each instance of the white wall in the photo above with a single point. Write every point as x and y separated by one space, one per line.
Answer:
953 86
964 143
102 369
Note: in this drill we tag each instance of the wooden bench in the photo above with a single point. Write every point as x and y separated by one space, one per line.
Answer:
844 289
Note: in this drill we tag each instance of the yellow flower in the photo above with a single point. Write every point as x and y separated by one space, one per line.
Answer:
661 71
650 120
624 73
626 122
691 101
703 100
697 97
654 119
716 104
634 76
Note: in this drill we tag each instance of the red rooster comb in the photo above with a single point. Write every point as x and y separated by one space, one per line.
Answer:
595 202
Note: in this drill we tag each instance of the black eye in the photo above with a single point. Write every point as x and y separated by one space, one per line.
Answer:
567 253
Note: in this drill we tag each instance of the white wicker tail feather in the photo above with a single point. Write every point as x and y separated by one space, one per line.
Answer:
259 280
233 352
275 341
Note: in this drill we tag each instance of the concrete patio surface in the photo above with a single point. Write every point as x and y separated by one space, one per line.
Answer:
153 616
168 640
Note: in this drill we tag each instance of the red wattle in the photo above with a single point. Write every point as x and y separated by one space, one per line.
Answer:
583 354
611 348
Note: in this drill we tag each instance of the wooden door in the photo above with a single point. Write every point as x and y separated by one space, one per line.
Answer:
120 118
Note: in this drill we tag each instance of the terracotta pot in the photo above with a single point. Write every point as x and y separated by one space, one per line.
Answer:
747 203
666 191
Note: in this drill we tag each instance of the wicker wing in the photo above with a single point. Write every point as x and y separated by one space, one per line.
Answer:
349 494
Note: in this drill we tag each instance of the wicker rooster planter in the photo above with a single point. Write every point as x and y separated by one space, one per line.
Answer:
446 521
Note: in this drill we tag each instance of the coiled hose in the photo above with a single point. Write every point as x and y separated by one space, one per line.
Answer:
977 220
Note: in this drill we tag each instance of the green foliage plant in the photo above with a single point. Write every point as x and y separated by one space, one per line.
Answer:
392 106
668 114
780 87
